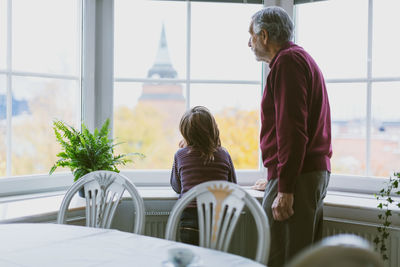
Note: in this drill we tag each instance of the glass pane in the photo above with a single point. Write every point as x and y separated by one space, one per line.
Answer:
137 38
385 141
46 36
385 61
3 34
329 31
237 117
3 124
348 111
36 103
220 33
146 120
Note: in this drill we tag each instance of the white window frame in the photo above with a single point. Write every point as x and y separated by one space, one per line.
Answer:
97 105
161 177
26 184
367 183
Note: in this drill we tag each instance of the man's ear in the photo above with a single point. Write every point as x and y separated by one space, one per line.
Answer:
264 36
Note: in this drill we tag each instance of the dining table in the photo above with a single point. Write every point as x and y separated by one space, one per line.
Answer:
56 245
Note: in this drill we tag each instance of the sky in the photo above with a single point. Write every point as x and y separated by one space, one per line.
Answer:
46 39
335 36
219 49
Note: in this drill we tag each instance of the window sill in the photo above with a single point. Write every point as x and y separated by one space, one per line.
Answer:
348 206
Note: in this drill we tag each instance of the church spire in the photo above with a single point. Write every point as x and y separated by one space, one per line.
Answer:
162 66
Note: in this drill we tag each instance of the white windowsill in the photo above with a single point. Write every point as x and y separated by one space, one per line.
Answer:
350 206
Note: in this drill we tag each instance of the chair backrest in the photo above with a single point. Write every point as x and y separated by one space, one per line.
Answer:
103 193
344 250
219 205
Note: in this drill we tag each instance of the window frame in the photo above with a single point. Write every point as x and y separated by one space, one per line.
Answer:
368 81
161 177
9 183
97 79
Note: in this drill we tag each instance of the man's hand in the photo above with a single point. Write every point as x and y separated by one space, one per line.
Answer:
260 185
282 207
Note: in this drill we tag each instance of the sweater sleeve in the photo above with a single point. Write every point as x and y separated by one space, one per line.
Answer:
291 111
232 173
175 179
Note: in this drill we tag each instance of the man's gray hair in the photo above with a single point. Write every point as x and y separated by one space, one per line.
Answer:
276 22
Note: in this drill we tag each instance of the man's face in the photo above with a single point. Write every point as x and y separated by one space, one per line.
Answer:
256 45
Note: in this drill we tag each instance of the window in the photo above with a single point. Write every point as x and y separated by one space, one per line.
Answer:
363 79
144 67
167 62
39 80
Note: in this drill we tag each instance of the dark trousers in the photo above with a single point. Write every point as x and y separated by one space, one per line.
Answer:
189 227
304 227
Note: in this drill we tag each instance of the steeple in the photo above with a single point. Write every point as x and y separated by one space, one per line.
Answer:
164 98
162 66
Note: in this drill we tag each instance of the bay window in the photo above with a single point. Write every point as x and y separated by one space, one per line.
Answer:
40 44
169 61
144 63
351 43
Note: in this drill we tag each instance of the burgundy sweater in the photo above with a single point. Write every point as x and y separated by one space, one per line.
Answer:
189 169
295 133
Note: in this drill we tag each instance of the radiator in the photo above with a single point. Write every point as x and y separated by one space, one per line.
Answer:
368 232
156 222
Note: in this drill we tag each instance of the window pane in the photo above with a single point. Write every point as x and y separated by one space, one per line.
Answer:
385 55
237 117
335 34
385 146
36 103
138 27
46 36
219 43
3 34
146 119
3 125
348 111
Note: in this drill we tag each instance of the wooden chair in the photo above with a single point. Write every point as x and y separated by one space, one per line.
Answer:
219 205
103 193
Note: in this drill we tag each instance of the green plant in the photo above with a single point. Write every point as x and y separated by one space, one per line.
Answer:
84 152
385 202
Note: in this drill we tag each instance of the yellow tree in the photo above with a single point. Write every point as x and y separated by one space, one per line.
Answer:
143 130
2 150
239 130
34 146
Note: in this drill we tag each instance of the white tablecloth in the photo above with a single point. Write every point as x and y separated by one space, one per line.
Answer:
56 245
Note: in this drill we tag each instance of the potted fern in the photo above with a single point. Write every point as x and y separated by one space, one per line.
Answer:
84 152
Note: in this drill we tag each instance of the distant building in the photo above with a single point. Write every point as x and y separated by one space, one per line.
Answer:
167 98
18 107
349 147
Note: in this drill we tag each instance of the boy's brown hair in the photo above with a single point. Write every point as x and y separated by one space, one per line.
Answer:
200 131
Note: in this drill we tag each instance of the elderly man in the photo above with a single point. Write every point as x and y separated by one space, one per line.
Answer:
295 138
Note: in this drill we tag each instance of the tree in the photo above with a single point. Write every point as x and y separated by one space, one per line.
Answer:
2 149
239 131
142 130
34 146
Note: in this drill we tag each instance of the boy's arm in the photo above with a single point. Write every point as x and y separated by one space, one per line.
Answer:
175 179
232 174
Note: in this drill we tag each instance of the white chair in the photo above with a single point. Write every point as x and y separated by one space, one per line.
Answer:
344 250
219 205
103 193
